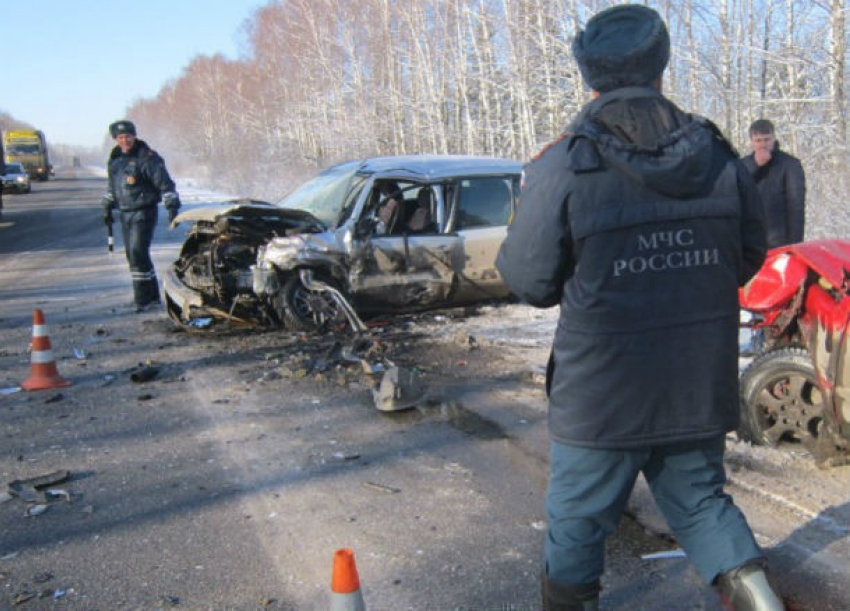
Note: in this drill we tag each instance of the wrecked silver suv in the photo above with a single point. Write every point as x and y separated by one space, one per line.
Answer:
388 234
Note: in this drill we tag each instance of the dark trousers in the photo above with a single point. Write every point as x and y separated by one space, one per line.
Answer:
137 227
589 488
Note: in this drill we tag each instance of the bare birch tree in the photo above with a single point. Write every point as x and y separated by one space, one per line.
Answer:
491 77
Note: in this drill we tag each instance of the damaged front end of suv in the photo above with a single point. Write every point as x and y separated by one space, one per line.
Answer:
385 234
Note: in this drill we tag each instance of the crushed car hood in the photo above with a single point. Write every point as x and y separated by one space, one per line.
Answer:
233 207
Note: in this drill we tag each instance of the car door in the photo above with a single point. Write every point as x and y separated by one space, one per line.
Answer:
482 209
406 261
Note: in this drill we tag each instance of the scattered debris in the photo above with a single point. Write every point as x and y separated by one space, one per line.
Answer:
10 390
372 369
399 389
381 488
79 354
22 597
42 577
144 374
55 398
168 601
57 493
36 510
200 323
345 456
10 556
28 489
270 376
5 496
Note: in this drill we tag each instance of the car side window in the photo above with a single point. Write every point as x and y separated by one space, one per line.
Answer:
484 202
399 208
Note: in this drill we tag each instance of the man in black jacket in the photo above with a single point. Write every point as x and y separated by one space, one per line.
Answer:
641 223
781 183
138 181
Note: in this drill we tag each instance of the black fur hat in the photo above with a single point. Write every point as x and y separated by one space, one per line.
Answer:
623 46
122 127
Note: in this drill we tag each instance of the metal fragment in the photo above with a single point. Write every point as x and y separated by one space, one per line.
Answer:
381 488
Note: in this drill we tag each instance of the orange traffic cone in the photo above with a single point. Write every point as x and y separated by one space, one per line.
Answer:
345 584
43 372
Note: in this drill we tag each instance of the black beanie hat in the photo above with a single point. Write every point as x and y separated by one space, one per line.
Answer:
122 127
623 46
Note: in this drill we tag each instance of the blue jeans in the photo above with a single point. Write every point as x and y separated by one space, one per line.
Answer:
589 488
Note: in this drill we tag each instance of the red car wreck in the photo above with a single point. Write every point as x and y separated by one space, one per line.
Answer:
797 389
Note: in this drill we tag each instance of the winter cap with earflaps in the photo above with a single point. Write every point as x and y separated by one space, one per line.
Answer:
623 46
122 127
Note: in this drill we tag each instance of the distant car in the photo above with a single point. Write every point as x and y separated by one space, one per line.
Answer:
388 234
16 179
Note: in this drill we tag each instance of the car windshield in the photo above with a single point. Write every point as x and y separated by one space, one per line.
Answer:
14 168
22 149
324 195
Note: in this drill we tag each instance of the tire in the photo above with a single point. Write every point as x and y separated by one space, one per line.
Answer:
305 310
781 402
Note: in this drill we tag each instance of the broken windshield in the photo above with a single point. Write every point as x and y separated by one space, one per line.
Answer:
324 195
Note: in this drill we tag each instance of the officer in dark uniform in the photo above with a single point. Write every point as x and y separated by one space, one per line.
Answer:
641 223
138 181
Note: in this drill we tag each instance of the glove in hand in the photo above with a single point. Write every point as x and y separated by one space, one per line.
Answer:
107 210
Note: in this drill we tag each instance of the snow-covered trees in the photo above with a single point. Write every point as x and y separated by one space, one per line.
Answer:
324 80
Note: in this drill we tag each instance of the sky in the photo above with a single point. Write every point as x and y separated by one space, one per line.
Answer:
71 67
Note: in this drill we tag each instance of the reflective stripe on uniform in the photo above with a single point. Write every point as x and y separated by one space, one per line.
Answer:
143 276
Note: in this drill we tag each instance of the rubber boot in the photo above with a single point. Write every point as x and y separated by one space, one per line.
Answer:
746 589
579 597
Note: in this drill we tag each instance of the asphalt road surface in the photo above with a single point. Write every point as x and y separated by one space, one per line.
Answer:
229 479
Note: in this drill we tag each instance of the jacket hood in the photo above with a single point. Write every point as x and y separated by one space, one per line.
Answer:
645 136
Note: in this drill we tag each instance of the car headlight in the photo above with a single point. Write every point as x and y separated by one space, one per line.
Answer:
20 179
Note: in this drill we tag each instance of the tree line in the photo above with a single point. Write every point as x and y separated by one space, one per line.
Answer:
325 80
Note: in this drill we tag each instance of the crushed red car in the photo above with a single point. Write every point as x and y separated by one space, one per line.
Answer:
797 388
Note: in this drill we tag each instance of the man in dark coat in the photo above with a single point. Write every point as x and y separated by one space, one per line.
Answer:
641 223
781 182
138 181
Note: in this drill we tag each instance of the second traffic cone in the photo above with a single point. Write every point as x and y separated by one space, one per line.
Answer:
345 584
43 372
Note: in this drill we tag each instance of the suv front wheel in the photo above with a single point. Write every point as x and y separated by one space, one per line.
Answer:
780 399
306 310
